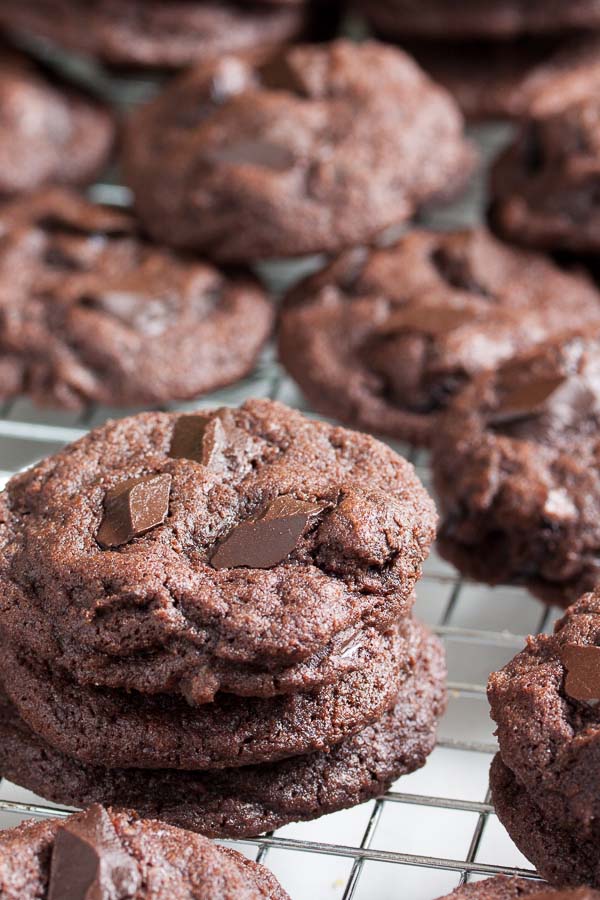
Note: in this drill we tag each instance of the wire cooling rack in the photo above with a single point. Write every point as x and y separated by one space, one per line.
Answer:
436 828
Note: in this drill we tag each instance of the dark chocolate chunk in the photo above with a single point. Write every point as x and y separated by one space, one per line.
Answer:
436 320
267 540
88 862
583 671
134 507
196 438
526 400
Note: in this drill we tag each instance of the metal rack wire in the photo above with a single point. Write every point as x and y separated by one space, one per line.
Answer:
436 828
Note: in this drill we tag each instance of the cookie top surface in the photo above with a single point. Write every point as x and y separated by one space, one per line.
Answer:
157 33
516 469
278 534
321 148
545 705
497 19
92 312
515 79
384 339
247 801
502 888
49 132
543 184
112 853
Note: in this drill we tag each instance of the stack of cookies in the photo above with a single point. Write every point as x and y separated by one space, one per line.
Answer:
545 778
504 58
207 617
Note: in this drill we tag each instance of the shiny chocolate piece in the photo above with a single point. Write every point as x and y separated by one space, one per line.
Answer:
267 540
132 508
88 861
434 320
197 438
526 400
583 671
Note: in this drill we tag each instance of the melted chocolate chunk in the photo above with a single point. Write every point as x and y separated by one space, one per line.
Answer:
88 861
267 540
525 400
430 321
583 671
134 507
457 271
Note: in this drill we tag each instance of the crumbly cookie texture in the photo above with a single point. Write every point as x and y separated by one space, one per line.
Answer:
384 339
112 853
516 471
91 312
321 148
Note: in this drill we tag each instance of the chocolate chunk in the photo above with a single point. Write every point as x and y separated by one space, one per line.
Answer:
525 400
255 153
198 438
133 507
583 671
267 540
435 320
88 861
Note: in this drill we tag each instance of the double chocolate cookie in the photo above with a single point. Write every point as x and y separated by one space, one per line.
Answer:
108 853
321 148
545 779
515 79
48 132
384 339
185 595
516 470
474 19
93 312
545 185
158 33
246 801
502 888
195 550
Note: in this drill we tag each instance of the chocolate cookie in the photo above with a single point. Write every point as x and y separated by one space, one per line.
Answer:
163 551
515 79
92 312
109 853
502 888
244 802
560 854
544 704
516 470
544 186
158 33
474 19
323 147
48 132
117 729
384 339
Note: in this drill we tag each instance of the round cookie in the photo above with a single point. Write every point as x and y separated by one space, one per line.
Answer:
259 537
543 702
512 79
560 854
544 185
245 802
92 312
474 19
119 729
157 33
48 132
503 888
112 853
515 467
383 339
322 148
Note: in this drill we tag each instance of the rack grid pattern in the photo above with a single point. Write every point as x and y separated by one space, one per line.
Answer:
421 842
